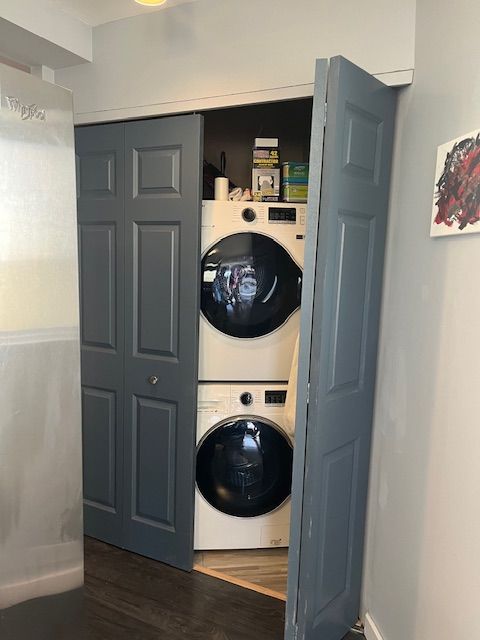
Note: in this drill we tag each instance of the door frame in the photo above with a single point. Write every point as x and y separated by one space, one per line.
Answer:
400 78
312 230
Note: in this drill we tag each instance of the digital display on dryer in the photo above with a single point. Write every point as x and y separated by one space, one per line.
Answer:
286 215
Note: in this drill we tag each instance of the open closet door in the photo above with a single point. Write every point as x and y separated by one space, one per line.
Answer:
162 229
347 216
100 179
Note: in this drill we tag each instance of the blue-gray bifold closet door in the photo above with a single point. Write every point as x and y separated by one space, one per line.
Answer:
347 217
139 259
163 160
101 251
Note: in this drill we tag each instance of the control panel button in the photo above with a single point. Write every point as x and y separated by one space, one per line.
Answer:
249 214
246 399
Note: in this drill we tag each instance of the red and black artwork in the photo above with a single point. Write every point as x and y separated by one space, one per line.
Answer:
456 206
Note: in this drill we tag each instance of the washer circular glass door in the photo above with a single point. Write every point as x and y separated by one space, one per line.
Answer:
244 467
250 285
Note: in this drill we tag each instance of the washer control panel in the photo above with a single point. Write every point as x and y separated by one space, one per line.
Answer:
257 398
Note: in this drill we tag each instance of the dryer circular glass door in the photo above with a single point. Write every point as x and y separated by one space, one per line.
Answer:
250 285
244 467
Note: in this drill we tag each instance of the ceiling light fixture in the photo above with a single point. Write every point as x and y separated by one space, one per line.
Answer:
151 3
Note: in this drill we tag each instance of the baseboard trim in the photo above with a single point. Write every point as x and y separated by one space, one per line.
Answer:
50 584
239 582
371 629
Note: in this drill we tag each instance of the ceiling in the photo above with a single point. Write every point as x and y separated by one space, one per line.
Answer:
95 12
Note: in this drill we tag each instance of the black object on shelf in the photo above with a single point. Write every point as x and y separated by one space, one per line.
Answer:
210 172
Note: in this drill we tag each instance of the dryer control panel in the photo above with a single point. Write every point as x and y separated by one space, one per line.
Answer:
217 214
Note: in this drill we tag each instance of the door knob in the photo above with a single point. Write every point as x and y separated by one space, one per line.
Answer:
153 379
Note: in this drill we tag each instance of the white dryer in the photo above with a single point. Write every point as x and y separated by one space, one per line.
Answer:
251 275
244 467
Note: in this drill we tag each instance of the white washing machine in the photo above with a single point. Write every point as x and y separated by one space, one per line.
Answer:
252 262
244 467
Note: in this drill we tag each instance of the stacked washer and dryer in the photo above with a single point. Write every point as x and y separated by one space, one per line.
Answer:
251 275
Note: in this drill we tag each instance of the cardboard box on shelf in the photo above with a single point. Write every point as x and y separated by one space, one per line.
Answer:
266 184
266 170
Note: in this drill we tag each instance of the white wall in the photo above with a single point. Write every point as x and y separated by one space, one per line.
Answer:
37 33
219 47
422 578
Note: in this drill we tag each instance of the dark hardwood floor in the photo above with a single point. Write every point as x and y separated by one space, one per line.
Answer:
129 597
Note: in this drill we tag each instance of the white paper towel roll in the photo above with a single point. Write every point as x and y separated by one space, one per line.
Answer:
221 188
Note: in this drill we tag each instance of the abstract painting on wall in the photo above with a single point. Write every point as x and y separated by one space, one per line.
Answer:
456 200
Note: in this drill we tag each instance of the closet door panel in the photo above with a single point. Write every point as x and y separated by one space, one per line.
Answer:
156 290
347 216
162 226
99 438
100 193
153 462
98 291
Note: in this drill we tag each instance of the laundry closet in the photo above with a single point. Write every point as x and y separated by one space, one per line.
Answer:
251 275
190 313
244 367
